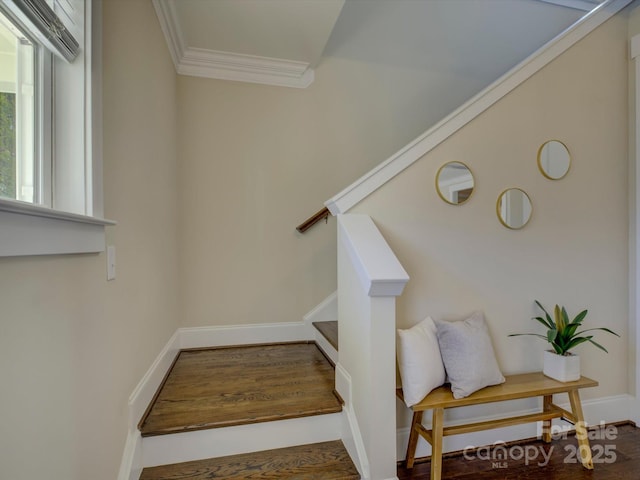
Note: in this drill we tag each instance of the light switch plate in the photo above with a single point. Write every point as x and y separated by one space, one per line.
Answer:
111 262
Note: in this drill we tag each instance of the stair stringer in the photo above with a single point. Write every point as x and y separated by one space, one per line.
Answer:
327 310
324 345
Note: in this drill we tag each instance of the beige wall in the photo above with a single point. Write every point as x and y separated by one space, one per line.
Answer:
255 161
72 346
574 250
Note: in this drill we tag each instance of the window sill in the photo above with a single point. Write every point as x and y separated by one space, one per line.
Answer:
27 229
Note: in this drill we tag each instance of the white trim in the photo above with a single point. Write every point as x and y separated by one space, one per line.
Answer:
166 12
326 347
584 5
370 182
600 410
219 442
22 234
325 311
199 62
23 208
151 381
351 435
94 112
131 464
215 64
378 269
225 335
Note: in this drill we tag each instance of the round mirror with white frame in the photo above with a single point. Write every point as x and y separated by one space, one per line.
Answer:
514 208
554 159
454 183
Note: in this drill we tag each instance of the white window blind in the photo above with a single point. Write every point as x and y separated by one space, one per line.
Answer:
49 28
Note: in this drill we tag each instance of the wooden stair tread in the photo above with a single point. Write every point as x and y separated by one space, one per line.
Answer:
221 387
329 330
319 461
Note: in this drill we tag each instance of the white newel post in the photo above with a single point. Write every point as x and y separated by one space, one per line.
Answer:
370 277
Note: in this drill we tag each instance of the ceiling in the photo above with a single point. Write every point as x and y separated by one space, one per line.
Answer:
281 42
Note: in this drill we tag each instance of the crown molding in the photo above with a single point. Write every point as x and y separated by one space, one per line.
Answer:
173 35
199 62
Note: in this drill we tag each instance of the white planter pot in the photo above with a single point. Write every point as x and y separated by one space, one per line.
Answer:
561 368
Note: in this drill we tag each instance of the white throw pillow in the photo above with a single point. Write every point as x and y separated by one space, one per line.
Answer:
468 355
419 360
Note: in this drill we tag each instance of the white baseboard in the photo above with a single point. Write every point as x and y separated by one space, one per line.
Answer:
600 410
147 387
218 442
131 465
634 410
218 336
325 311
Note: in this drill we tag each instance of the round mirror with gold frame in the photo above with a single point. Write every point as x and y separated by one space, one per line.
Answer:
514 208
554 159
454 183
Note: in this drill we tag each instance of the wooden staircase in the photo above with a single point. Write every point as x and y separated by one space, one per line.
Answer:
278 388
321 461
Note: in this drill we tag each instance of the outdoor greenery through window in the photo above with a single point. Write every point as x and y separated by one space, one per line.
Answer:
7 144
17 113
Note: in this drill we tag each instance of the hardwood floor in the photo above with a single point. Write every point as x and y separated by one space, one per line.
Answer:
329 330
616 453
239 385
320 461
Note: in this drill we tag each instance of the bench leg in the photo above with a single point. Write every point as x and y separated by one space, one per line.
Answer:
413 438
581 430
436 446
547 401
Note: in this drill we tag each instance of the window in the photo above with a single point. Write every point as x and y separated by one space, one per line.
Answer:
17 113
50 163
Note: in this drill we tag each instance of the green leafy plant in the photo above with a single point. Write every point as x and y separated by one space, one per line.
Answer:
562 333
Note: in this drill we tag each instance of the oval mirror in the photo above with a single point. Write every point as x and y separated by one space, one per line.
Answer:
514 208
454 183
554 159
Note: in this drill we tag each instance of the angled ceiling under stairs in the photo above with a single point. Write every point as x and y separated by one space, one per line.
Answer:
282 42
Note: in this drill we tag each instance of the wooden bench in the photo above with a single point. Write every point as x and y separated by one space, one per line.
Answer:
516 387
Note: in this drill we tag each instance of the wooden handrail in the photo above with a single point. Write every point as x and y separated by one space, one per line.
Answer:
311 221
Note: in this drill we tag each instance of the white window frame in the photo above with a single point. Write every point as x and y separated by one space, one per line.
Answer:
69 216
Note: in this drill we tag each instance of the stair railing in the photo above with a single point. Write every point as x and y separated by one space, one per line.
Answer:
312 220
370 277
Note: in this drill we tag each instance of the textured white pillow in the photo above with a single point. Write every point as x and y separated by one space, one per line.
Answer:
419 360
468 355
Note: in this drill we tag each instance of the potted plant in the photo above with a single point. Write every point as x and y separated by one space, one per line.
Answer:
563 335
